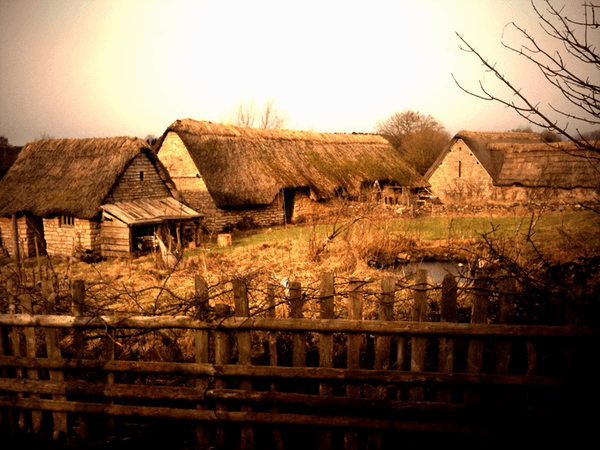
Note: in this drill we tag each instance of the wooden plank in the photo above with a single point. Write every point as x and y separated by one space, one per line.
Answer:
476 346
506 311
446 344
418 345
222 356
385 312
353 390
201 353
16 418
429 329
326 311
53 351
298 339
244 344
276 436
30 345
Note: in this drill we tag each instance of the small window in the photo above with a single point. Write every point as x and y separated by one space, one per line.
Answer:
66 221
141 175
459 169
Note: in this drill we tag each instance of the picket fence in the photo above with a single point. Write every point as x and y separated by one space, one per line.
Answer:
232 380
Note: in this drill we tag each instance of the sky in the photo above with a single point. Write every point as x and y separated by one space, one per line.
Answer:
99 68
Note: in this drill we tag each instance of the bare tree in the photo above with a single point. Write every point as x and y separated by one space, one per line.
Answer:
418 137
245 113
271 117
268 117
572 67
150 139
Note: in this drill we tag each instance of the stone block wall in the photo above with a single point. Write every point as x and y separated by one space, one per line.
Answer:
30 230
63 240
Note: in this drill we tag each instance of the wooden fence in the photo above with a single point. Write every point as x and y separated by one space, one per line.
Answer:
278 380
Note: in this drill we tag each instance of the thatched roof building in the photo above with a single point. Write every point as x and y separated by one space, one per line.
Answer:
473 159
66 182
67 176
247 167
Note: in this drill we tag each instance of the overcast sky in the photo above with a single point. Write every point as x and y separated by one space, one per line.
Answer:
94 68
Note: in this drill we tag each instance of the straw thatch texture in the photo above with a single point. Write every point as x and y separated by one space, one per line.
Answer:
66 176
524 159
246 167
558 165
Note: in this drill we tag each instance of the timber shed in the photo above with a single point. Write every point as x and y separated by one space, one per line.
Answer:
272 177
99 195
513 167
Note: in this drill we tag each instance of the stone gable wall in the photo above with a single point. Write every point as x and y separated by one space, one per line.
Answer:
460 176
474 185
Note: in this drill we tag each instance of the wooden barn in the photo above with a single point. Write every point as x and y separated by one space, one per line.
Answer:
263 177
515 168
66 196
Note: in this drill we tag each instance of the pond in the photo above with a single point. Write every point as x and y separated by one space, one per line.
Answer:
437 269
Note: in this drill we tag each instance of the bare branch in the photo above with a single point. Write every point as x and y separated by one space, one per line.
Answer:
568 72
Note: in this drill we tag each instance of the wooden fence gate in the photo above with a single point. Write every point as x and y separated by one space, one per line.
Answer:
235 379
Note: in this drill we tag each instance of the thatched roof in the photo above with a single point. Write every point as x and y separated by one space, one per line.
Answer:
525 159
245 167
66 176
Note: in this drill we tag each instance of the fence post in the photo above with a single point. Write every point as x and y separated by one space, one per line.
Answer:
326 303
355 306
418 344
276 438
476 346
201 347
446 350
30 348
298 339
382 346
244 344
17 417
222 356
506 310
53 350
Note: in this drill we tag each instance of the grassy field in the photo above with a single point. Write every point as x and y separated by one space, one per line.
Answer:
551 232
365 249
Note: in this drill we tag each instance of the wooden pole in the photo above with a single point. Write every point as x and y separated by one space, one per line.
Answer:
298 339
17 251
506 311
276 437
53 350
419 344
476 346
32 374
244 344
385 312
355 306
201 353
326 303
446 350
222 356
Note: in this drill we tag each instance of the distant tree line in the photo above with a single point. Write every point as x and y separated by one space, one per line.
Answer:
418 137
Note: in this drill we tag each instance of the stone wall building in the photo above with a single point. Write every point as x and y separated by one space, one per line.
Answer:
483 167
85 195
234 175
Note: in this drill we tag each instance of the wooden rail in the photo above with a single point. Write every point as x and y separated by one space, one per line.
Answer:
271 382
